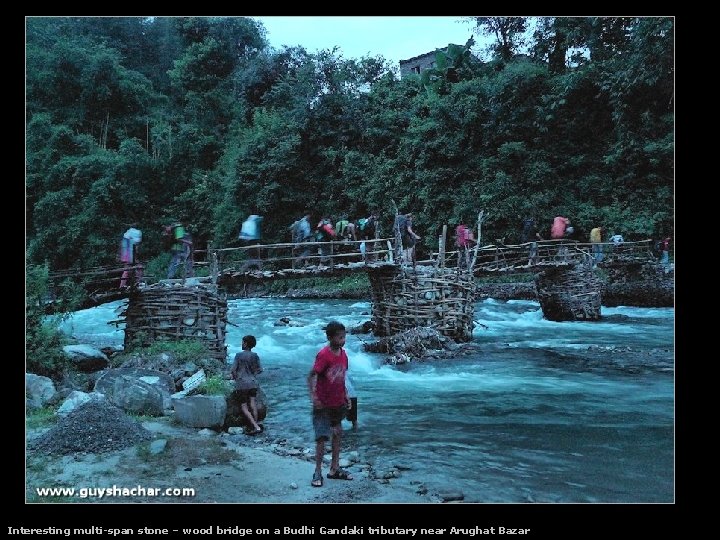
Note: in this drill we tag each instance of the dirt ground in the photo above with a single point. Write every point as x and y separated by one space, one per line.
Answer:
221 468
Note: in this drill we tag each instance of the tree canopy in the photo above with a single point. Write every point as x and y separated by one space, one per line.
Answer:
198 119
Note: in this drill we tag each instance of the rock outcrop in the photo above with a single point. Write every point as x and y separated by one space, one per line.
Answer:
86 358
39 391
414 344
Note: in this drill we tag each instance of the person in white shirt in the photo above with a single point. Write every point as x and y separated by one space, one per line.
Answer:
250 234
250 229
129 254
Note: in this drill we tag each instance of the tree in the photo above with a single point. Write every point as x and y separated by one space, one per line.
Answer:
508 33
239 128
553 37
454 64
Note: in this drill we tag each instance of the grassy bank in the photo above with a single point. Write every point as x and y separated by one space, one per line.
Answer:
350 284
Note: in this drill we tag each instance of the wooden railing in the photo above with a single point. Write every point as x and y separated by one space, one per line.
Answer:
103 283
512 258
100 284
297 256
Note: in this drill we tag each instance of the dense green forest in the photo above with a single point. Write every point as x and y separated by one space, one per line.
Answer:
199 119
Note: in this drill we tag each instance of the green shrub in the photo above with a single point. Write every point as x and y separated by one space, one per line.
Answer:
157 267
43 340
352 282
40 417
43 349
215 386
183 351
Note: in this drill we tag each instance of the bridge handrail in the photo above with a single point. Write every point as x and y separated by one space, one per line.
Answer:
98 271
262 254
335 256
554 242
300 244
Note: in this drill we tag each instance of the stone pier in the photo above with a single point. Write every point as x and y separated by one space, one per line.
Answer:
569 293
405 297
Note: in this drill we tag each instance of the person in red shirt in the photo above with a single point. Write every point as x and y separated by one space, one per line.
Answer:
464 240
665 257
326 383
324 232
559 227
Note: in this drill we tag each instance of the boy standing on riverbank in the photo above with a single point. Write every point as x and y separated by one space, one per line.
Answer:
326 384
245 367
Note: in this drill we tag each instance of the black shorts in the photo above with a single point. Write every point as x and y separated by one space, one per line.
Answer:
325 419
243 396
408 241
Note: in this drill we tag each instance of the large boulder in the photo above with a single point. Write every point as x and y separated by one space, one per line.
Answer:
200 411
234 415
131 393
78 380
86 358
417 344
75 400
39 391
159 380
414 342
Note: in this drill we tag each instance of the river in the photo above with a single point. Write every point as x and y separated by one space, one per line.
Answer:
534 416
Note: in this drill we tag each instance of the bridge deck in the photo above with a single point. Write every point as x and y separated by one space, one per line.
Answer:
310 271
266 262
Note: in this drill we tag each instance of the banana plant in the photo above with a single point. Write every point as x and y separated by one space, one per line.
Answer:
451 65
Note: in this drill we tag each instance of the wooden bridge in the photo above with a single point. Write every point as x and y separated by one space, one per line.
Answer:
280 261
236 266
533 257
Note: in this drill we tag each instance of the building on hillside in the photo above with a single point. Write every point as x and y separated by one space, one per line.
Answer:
417 64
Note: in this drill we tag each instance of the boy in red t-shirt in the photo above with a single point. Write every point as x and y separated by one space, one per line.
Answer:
326 383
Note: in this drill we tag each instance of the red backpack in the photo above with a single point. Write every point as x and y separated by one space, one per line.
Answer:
463 235
325 231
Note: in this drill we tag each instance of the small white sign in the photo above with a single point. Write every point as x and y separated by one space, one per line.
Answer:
194 381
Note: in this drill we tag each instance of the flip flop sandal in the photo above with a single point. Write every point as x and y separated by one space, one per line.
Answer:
340 474
317 477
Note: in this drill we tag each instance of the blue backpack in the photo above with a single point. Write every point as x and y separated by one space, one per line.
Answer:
295 232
